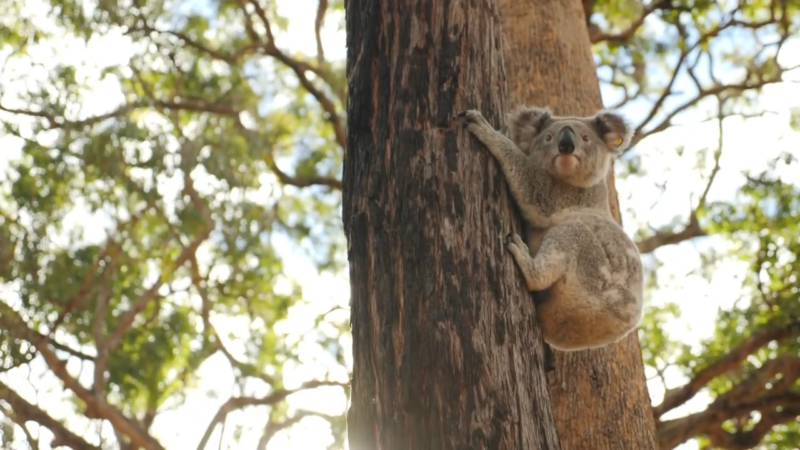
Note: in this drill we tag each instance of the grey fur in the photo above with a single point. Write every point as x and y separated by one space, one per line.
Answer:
574 249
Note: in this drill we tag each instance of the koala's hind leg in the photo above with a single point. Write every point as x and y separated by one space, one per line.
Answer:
542 270
599 320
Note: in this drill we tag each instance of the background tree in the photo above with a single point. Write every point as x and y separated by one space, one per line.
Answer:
604 390
446 353
107 106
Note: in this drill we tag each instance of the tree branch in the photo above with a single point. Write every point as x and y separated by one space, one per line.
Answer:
596 35
660 239
678 396
322 8
282 176
768 391
274 428
299 68
26 411
235 403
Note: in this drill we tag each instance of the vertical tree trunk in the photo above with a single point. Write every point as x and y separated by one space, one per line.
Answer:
599 397
447 354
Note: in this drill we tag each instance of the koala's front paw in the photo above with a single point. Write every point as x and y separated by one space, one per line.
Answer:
472 117
519 251
517 247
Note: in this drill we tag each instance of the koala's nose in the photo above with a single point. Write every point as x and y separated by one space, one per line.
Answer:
566 141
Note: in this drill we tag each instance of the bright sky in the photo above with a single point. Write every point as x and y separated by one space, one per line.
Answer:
698 298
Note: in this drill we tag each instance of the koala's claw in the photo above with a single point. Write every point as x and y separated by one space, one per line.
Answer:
471 116
515 243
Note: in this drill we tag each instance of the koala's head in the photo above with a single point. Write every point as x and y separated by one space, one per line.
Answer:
576 150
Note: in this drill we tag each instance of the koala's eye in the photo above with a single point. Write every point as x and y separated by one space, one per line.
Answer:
548 137
585 138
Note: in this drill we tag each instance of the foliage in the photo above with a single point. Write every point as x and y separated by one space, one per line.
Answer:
134 226
144 217
678 63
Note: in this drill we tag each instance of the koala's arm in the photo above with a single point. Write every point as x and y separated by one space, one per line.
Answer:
516 166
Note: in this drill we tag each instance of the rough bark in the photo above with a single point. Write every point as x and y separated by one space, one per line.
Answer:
599 397
446 351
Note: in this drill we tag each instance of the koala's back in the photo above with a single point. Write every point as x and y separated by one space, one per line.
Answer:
599 299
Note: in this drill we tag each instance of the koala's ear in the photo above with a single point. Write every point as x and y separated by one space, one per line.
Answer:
525 123
614 129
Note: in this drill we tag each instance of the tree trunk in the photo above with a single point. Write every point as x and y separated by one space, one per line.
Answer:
599 397
447 353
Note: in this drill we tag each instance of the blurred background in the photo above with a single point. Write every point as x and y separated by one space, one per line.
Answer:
172 259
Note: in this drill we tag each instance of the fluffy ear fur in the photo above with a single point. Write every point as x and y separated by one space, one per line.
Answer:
525 123
614 129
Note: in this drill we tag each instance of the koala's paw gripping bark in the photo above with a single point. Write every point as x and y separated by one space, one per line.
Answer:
472 117
515 244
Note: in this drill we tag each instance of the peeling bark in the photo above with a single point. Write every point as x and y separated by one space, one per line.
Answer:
599 397
447 353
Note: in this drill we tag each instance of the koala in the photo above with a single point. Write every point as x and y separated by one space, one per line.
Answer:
556 168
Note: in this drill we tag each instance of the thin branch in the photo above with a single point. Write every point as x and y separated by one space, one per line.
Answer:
322 8
274 428
299 68
596 35
236 403
716 89
302 182
692 229
26 411
230 58
717 154
56 122
244 368
67 349
326 103
282 176
678 396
